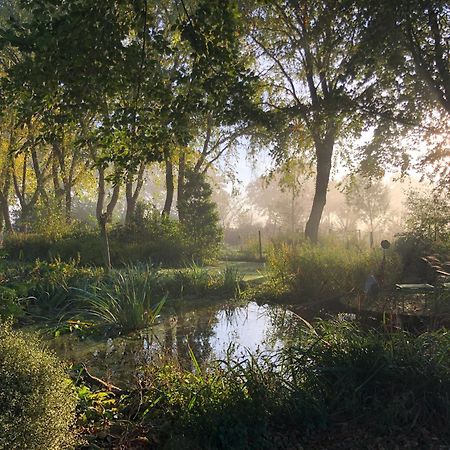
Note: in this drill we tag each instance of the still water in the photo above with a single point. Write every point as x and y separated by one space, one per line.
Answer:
211 331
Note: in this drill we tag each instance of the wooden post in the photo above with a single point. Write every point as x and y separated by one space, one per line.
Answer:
260 245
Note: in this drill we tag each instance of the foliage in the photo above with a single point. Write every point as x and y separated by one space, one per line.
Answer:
232 281
428 216
199 217
194 279
37 401
161 241
149 238
45 287
400 379
125 302
10 304
369 199
320 272
333 372
214 408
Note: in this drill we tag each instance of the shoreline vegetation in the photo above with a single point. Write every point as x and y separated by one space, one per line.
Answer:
359 373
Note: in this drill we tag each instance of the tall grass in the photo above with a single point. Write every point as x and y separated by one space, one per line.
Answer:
315 272
333 373
125 302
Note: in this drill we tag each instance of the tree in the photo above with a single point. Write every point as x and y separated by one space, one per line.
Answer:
316 77
428 215
130 74
369 201
410 39
200 218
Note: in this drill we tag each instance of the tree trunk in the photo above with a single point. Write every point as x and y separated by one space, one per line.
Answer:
180 187
103 218
324 153
5 212
131 204
169 186
105 241
4 204
133 195
100 193
68 205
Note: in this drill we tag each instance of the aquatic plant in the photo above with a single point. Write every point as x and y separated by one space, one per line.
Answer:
193 280
230 282
330 372
126 301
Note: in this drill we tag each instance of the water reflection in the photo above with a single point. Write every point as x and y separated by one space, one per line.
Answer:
210 331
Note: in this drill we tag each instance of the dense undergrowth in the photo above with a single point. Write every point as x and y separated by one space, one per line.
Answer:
329 373
126 299
151 237
335 372
315 272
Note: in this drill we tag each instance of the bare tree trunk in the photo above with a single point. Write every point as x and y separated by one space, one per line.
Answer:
5 212
105 217
4 201
169 185
180 187
324 152
100 193
132 196
105 241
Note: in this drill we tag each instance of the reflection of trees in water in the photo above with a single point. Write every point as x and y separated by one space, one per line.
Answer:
193 330
284 325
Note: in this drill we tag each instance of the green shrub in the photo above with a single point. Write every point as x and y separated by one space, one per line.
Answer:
37 401
159 240
199 218
10 304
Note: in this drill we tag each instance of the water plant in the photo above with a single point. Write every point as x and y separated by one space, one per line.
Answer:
194 279
330 372
125 301
230 282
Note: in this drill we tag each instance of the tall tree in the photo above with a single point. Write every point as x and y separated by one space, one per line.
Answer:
315 77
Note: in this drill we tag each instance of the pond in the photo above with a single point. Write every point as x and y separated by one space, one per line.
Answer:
212 331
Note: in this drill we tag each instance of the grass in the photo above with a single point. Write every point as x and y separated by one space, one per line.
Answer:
126 302
313 272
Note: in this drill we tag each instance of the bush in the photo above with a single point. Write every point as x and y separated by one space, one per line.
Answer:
156 239
37 401
10 305
199 218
